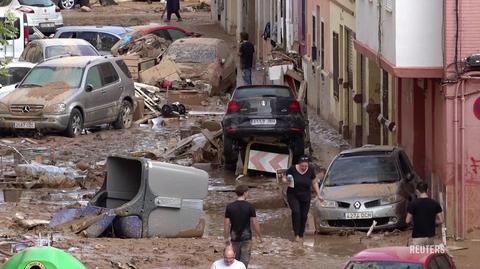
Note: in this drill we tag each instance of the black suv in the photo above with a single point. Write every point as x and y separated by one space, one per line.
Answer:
271 112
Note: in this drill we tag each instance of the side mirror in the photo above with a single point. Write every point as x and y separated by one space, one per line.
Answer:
223 61
89 88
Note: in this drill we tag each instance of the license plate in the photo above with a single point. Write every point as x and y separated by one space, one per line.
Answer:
358 215
47 25
24 125
263 122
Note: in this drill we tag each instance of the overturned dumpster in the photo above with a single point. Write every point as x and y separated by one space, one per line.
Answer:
142 198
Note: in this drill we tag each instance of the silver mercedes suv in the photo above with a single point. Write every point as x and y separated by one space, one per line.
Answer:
68 94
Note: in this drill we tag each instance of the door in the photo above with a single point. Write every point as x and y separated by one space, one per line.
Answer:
335 66
113 90
95 110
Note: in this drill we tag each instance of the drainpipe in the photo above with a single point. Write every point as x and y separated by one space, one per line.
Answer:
455 157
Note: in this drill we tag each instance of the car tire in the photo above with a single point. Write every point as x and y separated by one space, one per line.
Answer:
66 4
125 116
75 124
298 149
230 155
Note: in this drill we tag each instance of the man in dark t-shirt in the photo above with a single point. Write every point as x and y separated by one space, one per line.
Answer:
240 216
425 213
246 52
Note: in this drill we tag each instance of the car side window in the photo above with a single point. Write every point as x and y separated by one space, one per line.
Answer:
106 41
404 163
163 34
94 78
124 68
433 264
108 73
91 37
176 34
67 35
443 262
37 55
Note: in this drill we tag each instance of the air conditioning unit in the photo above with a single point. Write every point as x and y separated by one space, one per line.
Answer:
473 60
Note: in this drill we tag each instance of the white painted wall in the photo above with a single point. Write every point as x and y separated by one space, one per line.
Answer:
411 34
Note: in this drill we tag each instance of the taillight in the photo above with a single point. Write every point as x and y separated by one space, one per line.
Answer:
26 33
233 107
25 9
294 106
57 9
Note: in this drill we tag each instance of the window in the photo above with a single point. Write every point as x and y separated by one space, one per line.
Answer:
336 87
74 50
36 3
4 3
443 262
124 68
94 78
388 5
67 35
176 34
404 163
314 38
322 45
109 74
259 92
91 37
383 265
106 41
44 75
37 54
163 34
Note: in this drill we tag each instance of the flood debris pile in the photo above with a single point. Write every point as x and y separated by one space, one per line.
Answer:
141 198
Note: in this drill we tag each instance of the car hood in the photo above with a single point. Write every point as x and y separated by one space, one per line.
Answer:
196 71
358 191
52 93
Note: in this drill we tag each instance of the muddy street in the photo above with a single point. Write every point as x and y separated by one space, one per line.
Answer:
31 198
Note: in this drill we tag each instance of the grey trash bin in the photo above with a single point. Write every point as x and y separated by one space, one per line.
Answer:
152 198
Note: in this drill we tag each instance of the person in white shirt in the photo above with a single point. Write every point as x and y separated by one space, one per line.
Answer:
228 260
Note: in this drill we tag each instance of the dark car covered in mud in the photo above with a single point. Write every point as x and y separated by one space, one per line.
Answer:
363 186
269 112
66 94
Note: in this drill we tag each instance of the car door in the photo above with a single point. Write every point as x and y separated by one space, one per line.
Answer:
112 88
96 100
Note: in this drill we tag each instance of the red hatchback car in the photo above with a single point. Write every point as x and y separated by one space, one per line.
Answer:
414 257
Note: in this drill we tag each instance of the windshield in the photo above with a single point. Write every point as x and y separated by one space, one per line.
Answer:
384 265
191 53
36 3
72 50
14 75
362 170
43 75
262 92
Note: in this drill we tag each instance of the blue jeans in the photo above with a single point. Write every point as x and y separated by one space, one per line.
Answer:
247 76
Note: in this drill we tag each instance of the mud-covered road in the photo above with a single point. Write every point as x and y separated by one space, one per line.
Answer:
87 155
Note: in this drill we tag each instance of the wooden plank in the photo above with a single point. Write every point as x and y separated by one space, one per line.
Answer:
211 137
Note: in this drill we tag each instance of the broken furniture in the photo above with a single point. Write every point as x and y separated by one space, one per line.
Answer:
142 198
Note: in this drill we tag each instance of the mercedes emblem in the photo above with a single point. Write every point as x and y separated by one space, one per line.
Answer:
26 109
357 205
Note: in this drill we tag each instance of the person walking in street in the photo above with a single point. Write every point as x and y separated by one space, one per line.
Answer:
425 213
246 52
173 7
228 260
240 216
300 179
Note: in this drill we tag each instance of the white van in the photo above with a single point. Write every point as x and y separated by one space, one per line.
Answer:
15 46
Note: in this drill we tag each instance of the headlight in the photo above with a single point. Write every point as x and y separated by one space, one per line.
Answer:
4 108
56 109
328 203
392 199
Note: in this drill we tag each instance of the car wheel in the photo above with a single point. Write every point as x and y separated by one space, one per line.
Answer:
298 149
230 155
125 116
66 4
75 124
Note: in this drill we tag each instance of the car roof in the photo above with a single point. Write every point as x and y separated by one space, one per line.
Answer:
118 30
61 41
73 61
20 64
369 148
401 254
198 41
154 27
